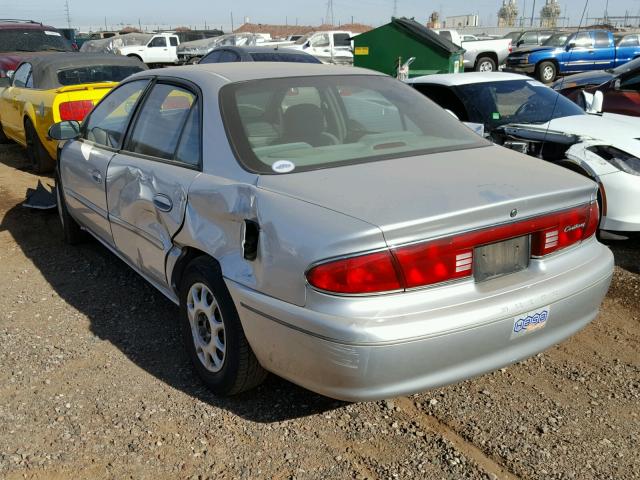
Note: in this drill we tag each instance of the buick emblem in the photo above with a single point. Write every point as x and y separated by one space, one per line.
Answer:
514 213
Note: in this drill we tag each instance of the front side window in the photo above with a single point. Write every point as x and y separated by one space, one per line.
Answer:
601 40
341 40
213 57
108 122
629 41
161 120
158 42
529 38
558 40
326 121
21 75
583 40
321 41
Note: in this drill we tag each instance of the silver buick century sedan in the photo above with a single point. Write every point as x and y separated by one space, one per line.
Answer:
331 225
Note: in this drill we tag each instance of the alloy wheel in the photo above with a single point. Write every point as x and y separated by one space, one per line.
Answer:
207 327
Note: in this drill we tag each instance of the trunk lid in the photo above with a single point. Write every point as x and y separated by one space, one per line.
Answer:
428 196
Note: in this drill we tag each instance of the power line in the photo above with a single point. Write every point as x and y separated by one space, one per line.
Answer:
328 18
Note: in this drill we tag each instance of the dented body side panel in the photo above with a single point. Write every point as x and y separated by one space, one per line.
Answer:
293 234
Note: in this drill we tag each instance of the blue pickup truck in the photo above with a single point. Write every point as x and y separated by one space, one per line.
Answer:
567 52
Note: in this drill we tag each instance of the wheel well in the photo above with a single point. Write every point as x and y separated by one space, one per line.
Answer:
133 55
492 55
550 60
187 255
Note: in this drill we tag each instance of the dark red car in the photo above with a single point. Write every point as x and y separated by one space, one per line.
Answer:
21 38
620 86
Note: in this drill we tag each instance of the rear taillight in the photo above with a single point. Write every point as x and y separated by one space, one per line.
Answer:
450 258
371 273
75 110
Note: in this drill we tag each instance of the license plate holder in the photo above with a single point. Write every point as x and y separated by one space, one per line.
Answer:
501 258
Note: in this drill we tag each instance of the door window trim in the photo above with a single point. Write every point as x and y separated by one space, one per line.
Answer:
181 83
83 129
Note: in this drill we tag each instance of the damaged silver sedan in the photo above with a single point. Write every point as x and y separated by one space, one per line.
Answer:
331 225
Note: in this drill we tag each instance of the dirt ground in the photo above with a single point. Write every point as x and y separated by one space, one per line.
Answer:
94 384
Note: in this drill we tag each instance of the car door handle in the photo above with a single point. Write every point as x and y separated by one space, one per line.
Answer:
162 202
97 176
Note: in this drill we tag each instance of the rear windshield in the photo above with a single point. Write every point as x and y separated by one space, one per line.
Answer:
283 57
32 40
308 123
96 74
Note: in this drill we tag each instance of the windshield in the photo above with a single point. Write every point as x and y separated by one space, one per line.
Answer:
95 74
32 40
557 40
307 123
283 57
513 36
516 101
627 67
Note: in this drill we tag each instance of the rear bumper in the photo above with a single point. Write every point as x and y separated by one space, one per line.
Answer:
356 359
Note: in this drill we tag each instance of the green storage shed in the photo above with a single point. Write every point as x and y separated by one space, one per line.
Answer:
384 48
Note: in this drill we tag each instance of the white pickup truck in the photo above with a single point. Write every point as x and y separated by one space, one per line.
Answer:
329 47
480 55
158 49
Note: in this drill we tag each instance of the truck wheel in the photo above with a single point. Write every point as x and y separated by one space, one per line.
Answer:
212 332
547 72
41 161
486 64
193 60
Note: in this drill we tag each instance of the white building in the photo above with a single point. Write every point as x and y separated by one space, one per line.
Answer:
461 21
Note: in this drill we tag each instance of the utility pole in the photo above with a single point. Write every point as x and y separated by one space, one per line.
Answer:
395 8
329 15
232 22
606 12
533 12
66 8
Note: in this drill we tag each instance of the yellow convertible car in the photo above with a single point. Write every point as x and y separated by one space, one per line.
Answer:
53 87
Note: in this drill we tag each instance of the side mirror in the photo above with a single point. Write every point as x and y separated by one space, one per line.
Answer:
5 82
592 103
307 45
520 42
67 130
617 84
571 46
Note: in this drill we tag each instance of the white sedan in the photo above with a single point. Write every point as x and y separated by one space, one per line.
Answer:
524 115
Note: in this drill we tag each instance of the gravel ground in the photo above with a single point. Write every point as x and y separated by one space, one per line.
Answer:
94 384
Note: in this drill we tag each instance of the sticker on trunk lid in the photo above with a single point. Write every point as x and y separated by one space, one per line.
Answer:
530 322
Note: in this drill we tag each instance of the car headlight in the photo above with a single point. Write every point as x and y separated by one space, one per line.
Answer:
619 159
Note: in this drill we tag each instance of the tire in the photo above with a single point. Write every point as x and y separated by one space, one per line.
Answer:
212 332
71 231
39 158
546 72
486 64
193 60
3 138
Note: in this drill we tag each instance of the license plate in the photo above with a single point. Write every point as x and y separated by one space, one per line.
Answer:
502 258
530 322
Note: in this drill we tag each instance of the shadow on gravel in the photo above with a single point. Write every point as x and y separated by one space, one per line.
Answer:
626 253
138 320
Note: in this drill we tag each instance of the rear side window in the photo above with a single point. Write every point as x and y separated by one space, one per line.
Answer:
341 40
229 56
213 57
629 41
189 148
446 35
529 38
602 39
108 121
173 41
161 120
95 74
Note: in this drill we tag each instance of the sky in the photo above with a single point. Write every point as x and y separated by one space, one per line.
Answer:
87 14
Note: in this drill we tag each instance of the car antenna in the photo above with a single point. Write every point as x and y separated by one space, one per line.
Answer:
555 103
